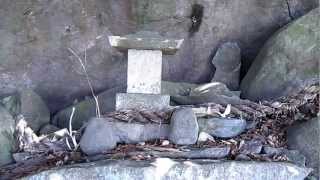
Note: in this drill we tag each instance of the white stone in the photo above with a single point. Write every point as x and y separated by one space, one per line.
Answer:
144 71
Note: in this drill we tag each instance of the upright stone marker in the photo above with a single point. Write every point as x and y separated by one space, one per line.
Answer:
145 51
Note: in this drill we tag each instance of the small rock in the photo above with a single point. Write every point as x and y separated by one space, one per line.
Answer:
250 147
222 127
203 137
227 62
94 139
242 157
48 129
184 127
165 143
20 157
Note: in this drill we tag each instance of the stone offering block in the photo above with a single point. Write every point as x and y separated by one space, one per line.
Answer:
142 101
144 71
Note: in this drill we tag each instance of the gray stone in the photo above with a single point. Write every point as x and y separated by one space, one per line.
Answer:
227 62
250 147
98 137
146 41
144 71
94 139
293 156
242 157
222 127
184 127
34 43
163 168
142 101
207 153
211 92
48 129
86 109
287 60
176 88
6 136
305 138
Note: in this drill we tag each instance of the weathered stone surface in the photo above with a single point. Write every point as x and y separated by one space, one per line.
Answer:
86 109
163 168
250 147
144 40
305 138
222 127
211 92
48 129
31 106
34 109
227 62
293 156
7 125
144 71
176 88
103 134
142 101
289 58
35 36
184 127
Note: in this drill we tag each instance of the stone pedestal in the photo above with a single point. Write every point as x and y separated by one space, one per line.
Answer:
145 51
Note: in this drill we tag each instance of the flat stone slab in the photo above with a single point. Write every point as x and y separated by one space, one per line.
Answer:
142 101
164 168
167 46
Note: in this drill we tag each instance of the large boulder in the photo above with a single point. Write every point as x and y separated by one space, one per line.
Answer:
305 138
287 60
163 168
6 136
35 37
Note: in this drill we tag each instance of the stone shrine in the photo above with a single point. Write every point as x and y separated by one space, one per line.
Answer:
144 72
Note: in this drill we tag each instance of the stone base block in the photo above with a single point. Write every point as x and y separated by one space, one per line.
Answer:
142 101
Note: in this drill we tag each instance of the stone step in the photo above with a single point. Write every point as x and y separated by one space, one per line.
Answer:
163 168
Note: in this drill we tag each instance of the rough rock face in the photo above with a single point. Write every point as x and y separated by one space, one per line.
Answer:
36 35
289 58
163 168
227 62
305 138
7 125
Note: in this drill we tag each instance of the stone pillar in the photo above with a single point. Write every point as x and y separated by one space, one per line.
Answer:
145 51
